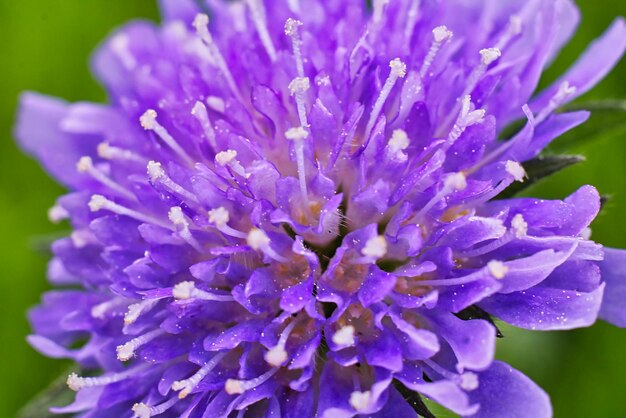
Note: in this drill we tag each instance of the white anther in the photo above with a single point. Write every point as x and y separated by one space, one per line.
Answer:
229 158
234 387
133 313
109 152
516 170
57 213
200 113
292 26
276 356
98 202
455 181
188 385
184 290
141 410
344 337
74 382
519 225
257 239
201 23
497 269
398 142
297 134
127 351
219 216
155 171
226 157
148 120
565 91
442 34
177 217
375 247
398 68
299 85
468 381
361 401
489 55
470 117
84 164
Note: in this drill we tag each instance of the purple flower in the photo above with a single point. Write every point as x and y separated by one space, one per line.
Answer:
295 212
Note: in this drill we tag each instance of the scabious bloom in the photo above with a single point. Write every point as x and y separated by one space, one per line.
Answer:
294 209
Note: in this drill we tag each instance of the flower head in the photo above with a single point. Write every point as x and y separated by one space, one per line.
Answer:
295 209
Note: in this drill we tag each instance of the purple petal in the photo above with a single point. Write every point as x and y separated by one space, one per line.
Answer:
504 392
613 269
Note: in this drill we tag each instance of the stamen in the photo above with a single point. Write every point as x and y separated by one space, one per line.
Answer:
344 337
200 113
108 152
149 123
298 88
158 175
467 381
497 269
126 351
237 387
217 104
292 27
513 29
229 158
298 135
487 57
201 23
277 355
441 35
565 92
466 118
361 401
188 385
98 311
375 247
452 183
411 20
119 45
516 170
257 11
379 7
258 240
397 144
76 382
398 70
179 219
220 218
519 225
136 309
57 214
99 202
142 410
85 165
188 290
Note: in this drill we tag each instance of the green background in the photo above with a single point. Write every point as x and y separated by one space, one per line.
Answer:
45 46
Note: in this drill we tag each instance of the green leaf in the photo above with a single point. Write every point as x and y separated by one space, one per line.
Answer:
539 168
57 394
606 116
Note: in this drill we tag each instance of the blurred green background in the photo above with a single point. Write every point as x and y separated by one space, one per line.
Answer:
45 47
